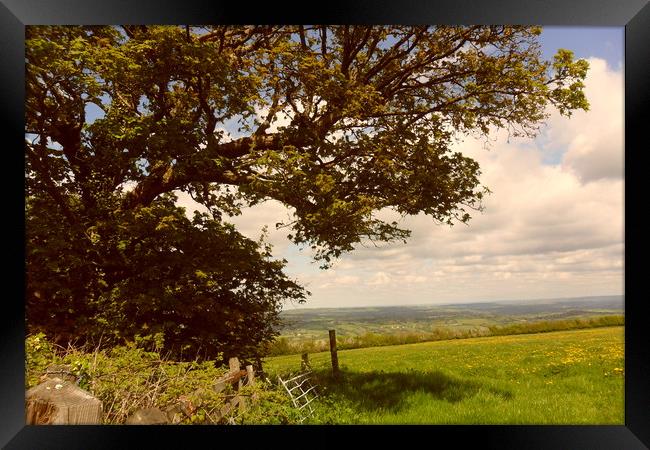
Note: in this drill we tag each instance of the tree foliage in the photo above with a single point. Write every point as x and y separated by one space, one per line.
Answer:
336 122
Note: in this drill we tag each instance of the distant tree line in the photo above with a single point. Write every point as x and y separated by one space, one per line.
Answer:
287 346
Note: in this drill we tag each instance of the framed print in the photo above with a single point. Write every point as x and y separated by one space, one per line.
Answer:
340 115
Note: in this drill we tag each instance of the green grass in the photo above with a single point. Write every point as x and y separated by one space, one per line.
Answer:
567 377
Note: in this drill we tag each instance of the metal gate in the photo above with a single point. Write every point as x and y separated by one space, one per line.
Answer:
302 392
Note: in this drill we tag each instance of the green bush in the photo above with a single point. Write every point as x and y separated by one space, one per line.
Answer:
134 376
557 325
271 405
126 378
39 353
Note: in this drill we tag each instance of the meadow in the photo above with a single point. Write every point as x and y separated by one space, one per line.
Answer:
565 377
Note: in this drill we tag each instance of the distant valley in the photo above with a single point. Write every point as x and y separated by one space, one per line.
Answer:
305 324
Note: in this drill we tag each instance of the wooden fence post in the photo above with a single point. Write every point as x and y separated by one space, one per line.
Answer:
250 375
233 363
335 358
304 364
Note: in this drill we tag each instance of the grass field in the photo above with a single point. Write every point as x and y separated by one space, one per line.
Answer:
567 377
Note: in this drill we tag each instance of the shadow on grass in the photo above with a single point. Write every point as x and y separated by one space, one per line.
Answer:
390 390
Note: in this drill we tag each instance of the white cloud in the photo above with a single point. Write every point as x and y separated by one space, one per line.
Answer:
549 230
593 137
224 135
553 226
127 186
252 220
269 213
379 279
186 201
280 119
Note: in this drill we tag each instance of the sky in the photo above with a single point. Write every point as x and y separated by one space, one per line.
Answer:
552 227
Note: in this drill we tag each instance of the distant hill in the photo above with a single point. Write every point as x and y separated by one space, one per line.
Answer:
417 317
613 302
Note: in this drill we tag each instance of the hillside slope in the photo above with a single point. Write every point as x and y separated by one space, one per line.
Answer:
568 377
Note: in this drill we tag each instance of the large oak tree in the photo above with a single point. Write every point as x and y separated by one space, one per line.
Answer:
335 122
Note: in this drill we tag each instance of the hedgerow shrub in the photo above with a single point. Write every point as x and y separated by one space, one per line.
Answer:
557 325
133 376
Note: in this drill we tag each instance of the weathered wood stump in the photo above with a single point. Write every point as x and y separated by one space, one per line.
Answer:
59 401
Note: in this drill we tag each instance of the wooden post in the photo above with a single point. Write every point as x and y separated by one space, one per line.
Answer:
250 375
335 358
304 364
233 363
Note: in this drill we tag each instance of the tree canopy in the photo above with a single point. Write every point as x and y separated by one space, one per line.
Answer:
335 122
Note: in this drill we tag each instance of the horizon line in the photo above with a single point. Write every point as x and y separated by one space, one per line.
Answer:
464 302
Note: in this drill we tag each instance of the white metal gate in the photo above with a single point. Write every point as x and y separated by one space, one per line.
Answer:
302 392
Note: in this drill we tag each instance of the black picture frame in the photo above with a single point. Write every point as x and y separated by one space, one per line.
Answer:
634 15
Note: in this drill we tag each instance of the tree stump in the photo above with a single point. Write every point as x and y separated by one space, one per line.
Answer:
59 401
